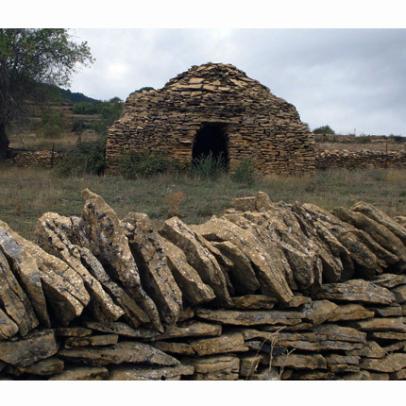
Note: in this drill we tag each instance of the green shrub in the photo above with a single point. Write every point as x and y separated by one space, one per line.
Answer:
85 158
109 111
397 138
135 165
245 172
324 129
363 139
78 126
86 108
208 166
52 123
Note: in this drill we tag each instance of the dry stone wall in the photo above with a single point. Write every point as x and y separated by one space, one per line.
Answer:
265 291
43 159
258 125
364 159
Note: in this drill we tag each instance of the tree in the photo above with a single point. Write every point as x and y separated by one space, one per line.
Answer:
115 100
325 129
29 58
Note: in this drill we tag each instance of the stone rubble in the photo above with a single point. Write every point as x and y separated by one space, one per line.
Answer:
265 291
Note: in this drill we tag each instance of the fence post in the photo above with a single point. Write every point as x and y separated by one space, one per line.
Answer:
52 155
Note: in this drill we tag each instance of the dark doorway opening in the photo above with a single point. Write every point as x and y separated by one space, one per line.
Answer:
211 141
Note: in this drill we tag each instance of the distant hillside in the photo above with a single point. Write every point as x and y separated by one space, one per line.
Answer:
56 94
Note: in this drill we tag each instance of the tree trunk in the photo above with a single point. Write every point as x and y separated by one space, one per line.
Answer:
4 142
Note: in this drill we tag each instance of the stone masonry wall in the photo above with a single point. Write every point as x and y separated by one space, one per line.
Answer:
259 126
44 159
360 159
265 291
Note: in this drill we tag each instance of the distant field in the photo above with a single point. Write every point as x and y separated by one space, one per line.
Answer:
64 142
27 193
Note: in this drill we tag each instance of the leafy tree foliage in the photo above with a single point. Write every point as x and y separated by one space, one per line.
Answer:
28 59
325 129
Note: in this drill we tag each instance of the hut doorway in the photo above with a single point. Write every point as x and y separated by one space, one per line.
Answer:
211 141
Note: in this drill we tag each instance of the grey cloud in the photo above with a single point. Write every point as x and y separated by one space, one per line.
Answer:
345 78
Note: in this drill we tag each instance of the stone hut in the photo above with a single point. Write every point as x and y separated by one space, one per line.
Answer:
214 109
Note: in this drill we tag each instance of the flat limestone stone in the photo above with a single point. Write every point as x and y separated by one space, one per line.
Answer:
26 351
46 367
249 365
356 290
366 376
400 293
349 238
391 363
312 375
216 376
187 313
45 278
8 328
297 301
14 300
343 363
124 352
91 341
232 342
175 348
357 376
381 234
253 302
250 317
379 376
271 278
398 346
300 361
52 238
133 312
388 311
25 267
389 280
382 218
191 329
193 288
321 338
371 350
73 331
107 238
382 324
242 273
82 374
198 256
225 364
156 275
304 326
121 329
318 311
399 375
389 335
147 374
351 312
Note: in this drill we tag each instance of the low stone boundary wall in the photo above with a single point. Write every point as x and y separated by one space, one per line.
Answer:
365 159
44 159
265 291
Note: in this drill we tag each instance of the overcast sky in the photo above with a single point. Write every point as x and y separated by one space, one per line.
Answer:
349 79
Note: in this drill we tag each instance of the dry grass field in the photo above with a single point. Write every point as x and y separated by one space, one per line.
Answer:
62 142
27 193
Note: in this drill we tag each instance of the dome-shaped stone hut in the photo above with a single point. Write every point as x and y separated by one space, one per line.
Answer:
214 109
